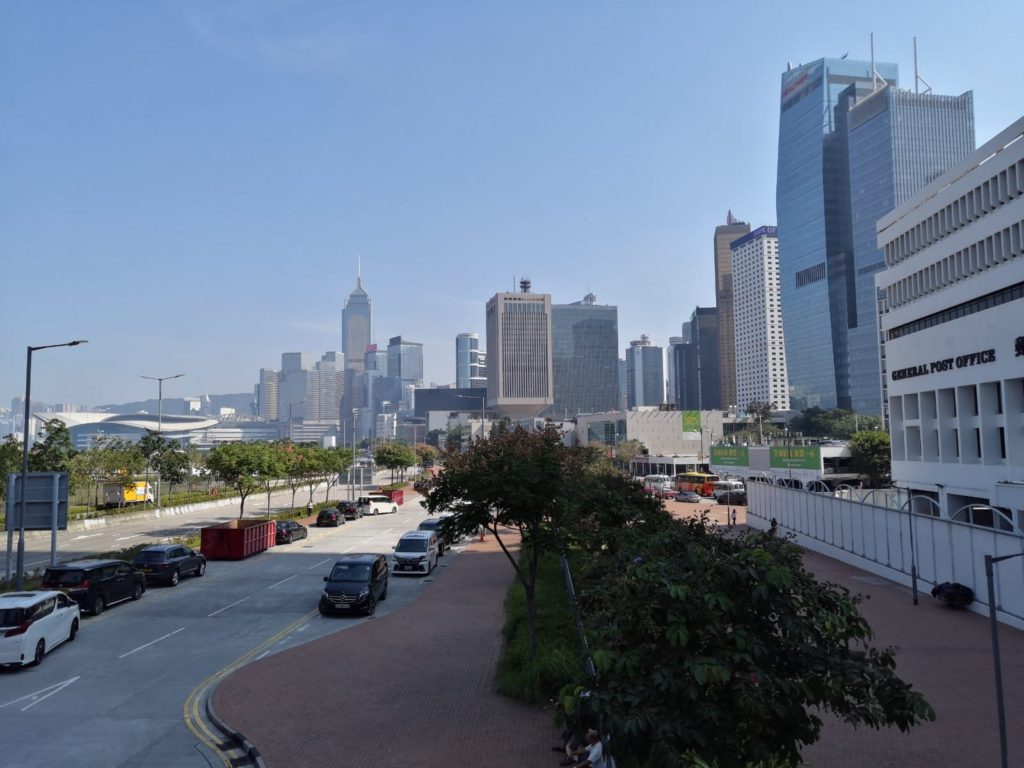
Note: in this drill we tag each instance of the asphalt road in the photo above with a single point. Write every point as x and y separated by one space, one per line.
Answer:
115 696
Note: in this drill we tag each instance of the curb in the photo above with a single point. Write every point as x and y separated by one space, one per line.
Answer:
243 743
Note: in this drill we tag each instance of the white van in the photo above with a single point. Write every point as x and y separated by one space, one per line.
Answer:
725 486
33 623
377 504
416 552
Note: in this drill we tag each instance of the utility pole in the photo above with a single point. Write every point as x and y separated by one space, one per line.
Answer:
159 427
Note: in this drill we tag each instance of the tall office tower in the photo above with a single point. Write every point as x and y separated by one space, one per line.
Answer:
670 390
760 345
293 388
405 360
645 373
375 359
519 368
470 362
704 332
267 404
329 387
356 335
685 372
812 203
623 405
584 357
899 141
724 235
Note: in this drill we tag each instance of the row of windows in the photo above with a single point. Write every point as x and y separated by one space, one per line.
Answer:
984 254
989 300
998 190
810 275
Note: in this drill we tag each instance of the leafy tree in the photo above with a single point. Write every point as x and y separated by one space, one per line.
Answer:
335 462
109 458
53 451
395 456
627 450
836 423
273 468
727 648
425 453
10 461
433 437
871 456
241 465
293 460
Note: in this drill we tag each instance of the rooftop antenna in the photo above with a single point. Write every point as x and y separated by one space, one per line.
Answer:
874 72
917 77
359 271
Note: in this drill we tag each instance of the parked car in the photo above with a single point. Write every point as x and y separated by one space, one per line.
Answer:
377 504
96 584
445 533
350 509
332 516
34 623
169 562
357 582
288 531
416 552
733 498
691 497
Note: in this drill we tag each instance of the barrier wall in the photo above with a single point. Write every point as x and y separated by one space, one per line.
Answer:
878 540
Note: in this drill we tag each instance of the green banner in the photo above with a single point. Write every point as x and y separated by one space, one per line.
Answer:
691 421
730 456
796 457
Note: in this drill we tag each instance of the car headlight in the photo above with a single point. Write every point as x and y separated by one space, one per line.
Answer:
325 595
364 593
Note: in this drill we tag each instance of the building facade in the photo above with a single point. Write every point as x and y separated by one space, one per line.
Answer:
356 336
405 360
704 336
267 397
645 374
584 358
952 324
760 343
470 362
724 235
520 381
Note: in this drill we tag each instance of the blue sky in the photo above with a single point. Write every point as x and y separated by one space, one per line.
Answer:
188 184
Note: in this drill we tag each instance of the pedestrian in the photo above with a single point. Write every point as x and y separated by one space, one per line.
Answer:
309 507
775 527
732 516
593 750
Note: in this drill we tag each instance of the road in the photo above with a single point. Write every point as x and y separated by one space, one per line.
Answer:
115 696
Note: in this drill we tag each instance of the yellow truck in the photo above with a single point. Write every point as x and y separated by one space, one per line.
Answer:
118 494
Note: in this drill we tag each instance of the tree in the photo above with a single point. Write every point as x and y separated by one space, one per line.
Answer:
836 423
109 459
627 450
762 412
273 468
425 454
727 648
293 458
53 451
395 456
335 462
241 465
10 461
871 456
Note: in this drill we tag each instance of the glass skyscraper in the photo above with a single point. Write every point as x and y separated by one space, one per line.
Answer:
584 358
645 373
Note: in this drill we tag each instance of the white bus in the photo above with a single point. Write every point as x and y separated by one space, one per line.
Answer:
724 486
659 485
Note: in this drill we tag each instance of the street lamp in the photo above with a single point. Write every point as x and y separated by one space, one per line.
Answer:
24 457
1000 706
159 421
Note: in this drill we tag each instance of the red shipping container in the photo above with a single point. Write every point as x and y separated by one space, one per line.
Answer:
237 539
397 496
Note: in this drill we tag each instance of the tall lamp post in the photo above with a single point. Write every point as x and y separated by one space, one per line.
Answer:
160 419
24 456
994 624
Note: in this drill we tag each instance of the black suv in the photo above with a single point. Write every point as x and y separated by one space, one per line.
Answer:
169 562
445 533
349 509
331 516
733 498
357 582
288 531
96 584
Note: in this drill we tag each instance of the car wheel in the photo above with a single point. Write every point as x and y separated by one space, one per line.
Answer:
40 652
74 631
371 607
175 578
394 510
201 570
384 594
97 606
137 592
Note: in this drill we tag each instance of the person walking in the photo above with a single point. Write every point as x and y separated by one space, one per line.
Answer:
775 527
732 516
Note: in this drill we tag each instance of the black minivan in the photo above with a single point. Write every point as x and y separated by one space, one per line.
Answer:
357 583
96 584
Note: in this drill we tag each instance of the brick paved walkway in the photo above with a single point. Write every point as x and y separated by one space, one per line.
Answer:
414 688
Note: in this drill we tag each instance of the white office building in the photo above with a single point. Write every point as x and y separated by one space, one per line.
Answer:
520 382
757 319
951 309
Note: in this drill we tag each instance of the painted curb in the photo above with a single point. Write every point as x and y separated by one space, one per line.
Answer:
243 743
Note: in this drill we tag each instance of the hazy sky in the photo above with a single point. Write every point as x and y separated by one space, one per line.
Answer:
188 184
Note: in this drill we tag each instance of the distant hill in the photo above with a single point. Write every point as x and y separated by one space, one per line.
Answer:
242 403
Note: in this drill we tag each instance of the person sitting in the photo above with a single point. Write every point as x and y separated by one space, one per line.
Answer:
953 595
592 753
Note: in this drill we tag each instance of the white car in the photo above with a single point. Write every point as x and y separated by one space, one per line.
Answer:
416 552
33 623
377 504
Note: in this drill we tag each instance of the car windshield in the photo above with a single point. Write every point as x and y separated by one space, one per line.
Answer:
11 617
63 577
429 525
350 572
411 545
151 557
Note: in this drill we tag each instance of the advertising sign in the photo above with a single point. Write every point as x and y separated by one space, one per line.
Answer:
730 456
796 457
44 491
691 421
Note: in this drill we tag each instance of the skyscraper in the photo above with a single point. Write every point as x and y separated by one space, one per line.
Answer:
760 345
645 373
405 360
671 389
724 235
267 403
519 367
704 335
470 362
685 375
585 342
356 336
811 196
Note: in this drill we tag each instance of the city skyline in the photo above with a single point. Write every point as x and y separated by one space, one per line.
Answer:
216 175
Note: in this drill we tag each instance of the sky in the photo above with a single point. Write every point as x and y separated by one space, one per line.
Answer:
189 185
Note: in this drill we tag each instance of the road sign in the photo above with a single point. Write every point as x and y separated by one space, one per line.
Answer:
44 492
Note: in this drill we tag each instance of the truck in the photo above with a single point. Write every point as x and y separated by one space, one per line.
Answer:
117 494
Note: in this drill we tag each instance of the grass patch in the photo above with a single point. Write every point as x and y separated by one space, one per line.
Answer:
557 663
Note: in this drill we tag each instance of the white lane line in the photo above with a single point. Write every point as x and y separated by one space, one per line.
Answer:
282 581
351 548
43 693
86 536
151 642
123 538
389 530
220 610
317 565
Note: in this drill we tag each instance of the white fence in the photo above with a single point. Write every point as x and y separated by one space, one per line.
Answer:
878 539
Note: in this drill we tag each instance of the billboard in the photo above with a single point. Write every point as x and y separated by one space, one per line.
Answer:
730 456
691 421
796 457
44 492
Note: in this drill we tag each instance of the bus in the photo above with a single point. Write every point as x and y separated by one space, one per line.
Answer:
724 486
659 485
698 482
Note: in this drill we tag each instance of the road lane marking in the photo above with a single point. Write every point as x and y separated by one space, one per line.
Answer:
317 565
123 538
86 536
151 642
220 610
282 581
352 547
41 694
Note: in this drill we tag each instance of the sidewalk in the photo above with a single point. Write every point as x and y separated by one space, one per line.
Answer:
414 688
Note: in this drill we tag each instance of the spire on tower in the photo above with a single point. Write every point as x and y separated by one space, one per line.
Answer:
359 272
